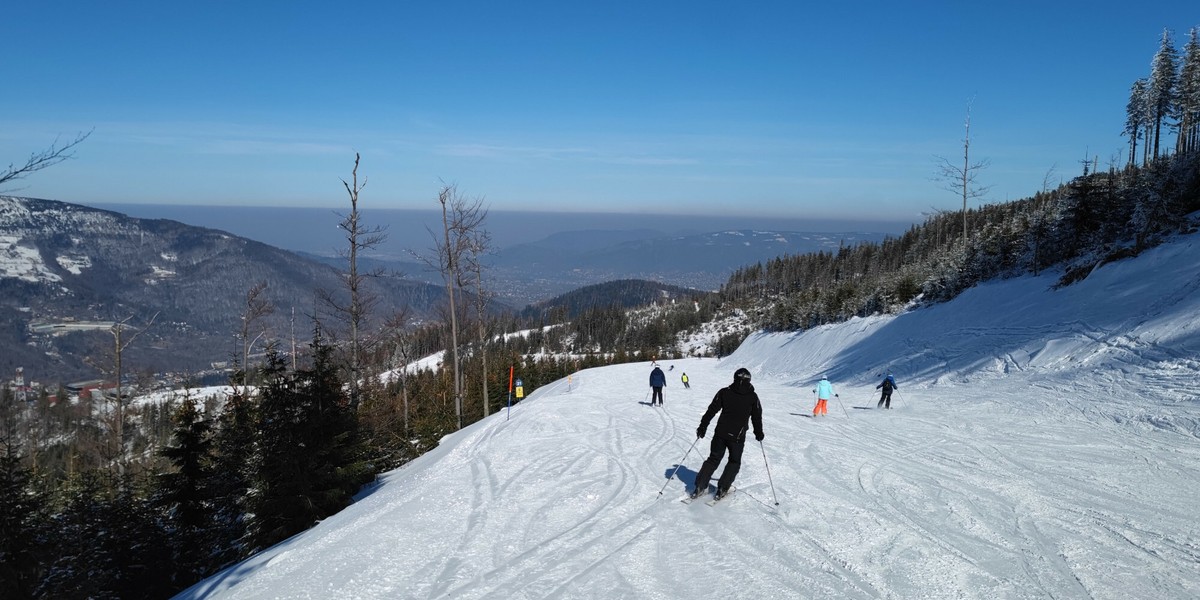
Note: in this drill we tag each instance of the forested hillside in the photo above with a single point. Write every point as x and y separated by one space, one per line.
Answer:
624 293
1095 218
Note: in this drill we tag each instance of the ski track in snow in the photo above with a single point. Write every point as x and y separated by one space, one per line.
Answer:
1042 444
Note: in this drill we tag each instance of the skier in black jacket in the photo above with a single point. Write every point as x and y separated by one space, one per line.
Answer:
888 384
739 406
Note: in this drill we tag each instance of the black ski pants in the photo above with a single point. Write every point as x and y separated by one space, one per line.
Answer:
720 444
885 400
657 397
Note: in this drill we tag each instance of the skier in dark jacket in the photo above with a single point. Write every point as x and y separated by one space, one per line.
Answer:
658 379
739 407
888 384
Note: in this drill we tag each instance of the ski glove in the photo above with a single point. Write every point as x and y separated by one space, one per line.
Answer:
699 432
758 437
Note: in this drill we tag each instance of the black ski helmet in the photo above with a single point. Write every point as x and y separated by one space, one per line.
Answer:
741 374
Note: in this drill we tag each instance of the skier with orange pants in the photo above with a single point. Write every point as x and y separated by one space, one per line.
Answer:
824 391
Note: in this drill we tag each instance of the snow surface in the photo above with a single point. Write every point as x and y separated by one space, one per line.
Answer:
1042 444
23 262
219 393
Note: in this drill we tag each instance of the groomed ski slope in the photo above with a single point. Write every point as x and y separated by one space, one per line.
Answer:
1042 444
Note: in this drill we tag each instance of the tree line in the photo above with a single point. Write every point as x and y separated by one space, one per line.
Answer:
228 483
1093 219
1167 99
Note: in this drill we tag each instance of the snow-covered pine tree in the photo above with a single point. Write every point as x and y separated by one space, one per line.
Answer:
1135 117
1188 103
1160 95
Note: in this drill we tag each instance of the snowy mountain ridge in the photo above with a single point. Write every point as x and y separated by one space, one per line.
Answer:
1042 443
63 263
20 255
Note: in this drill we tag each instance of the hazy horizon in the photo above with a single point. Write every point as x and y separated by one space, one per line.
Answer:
315 230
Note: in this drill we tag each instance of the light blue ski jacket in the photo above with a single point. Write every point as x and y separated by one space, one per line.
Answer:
824 390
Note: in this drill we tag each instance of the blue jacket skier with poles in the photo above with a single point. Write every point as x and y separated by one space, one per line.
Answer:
658 380
739 407
888 384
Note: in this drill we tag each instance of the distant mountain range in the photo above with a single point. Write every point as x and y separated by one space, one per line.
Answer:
539 255
565 261
539 271
68 272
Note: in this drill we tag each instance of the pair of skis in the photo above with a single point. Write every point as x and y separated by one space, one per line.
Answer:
711 501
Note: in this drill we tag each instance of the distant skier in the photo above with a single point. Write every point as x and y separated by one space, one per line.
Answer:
658 380
738 405
888 384
824 391
685 381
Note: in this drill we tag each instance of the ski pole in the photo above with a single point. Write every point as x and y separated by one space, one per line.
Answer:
647 400
839 399
685 455
764 452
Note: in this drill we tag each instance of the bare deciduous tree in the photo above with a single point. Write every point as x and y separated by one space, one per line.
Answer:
1048 178
119 348
461 218
962 179
479 244
258 307
403 354
355 310
40 160
449 260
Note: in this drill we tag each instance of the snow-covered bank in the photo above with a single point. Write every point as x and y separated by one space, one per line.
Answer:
1137 312
1043 443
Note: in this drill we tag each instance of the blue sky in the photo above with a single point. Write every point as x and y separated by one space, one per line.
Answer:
757 108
